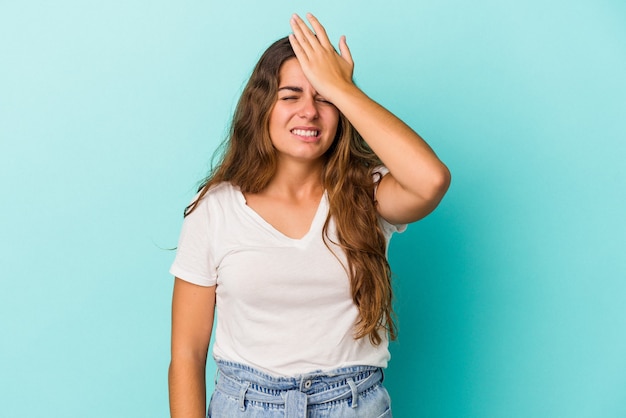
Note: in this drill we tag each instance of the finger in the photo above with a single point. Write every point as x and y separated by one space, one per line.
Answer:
302 32
297 48
345 51
298 41
322 36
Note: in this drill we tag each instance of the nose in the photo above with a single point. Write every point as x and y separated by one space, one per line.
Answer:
309 109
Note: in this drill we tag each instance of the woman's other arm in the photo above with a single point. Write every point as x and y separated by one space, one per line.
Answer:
193 309
417 179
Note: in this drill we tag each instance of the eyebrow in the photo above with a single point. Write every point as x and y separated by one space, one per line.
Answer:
291 88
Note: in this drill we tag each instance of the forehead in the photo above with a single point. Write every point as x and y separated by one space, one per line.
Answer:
291 74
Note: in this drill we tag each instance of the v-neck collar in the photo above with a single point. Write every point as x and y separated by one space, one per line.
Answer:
314 229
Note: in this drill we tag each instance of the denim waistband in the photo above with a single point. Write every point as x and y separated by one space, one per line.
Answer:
296 393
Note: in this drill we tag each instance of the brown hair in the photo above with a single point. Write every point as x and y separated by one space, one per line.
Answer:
249 162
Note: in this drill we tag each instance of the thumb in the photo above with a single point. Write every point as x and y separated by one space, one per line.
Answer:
345 51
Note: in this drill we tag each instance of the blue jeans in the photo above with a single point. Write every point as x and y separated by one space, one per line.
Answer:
352 392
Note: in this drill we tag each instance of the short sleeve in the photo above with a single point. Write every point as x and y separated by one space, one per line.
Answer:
194 262
388 228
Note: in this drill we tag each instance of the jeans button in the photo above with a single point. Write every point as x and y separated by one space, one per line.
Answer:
307 384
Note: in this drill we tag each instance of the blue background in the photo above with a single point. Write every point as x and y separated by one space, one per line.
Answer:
511 296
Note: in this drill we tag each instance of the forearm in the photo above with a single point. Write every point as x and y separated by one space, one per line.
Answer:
408 157
187 388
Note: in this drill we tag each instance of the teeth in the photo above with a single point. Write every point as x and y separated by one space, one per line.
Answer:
305 132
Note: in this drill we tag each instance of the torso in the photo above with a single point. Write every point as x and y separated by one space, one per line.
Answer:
284 304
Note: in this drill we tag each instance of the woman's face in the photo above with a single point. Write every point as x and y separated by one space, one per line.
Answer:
302 124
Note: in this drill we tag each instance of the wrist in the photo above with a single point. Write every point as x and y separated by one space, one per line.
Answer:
342 95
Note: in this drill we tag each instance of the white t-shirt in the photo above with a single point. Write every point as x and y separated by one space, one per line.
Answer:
283 305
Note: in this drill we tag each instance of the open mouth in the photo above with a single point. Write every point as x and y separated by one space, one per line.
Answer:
309 133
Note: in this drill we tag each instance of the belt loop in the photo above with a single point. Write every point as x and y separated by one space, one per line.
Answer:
242 396
295 404
355 393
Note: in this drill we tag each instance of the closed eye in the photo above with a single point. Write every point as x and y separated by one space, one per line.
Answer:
322 100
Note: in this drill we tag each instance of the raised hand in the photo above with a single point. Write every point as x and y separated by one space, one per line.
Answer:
328 71
417 179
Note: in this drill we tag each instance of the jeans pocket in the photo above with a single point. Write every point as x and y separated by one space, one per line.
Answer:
221 405
374 403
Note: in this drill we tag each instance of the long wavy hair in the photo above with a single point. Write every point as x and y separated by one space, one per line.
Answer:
249 161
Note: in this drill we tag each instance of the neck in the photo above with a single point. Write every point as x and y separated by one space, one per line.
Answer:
297 180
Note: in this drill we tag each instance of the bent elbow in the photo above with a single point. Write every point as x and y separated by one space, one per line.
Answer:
439 183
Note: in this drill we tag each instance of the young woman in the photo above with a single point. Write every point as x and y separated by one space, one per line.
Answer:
287 242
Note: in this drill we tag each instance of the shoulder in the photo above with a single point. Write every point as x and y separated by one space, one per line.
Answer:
221 197
218 193
379 172
222 189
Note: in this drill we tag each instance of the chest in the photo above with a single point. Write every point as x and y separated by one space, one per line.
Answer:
293 219
287 276
256 259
